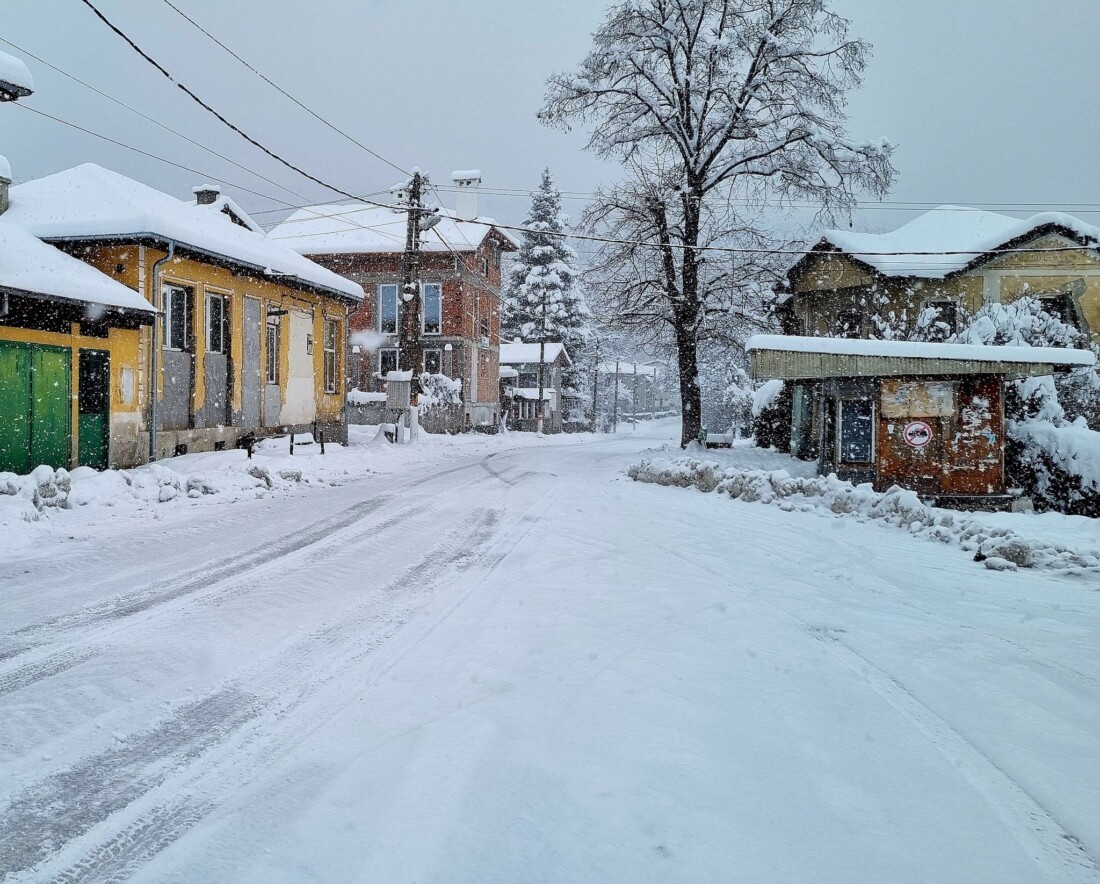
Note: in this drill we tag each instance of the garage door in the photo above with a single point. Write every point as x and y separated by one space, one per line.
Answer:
35 408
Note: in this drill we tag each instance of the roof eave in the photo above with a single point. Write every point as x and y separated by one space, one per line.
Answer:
145 316
156 239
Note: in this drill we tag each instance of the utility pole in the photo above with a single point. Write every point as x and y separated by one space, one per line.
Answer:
410 351
542 360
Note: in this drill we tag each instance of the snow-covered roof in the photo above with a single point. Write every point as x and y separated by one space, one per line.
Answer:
506 371
14 76
968 232
352 228
5 169
921 350
90 202
530 393
29 265
520 353
628 368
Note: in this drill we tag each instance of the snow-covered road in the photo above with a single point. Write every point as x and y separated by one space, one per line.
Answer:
524 667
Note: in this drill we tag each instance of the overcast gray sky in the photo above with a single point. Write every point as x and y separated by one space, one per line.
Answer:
988 101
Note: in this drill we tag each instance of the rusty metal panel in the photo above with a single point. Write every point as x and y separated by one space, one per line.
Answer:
917 398
973 462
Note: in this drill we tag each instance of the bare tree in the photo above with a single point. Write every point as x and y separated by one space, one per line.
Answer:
720 110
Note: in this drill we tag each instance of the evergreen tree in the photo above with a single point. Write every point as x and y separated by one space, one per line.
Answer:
541 301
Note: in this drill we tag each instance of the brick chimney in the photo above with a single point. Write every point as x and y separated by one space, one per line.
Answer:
467 182
5 184
207 194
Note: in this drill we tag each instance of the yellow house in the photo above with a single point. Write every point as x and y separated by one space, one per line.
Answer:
952 259
69 360
252 336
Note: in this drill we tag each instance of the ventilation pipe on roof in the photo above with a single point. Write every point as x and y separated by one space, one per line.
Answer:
206 194
467 183
154 358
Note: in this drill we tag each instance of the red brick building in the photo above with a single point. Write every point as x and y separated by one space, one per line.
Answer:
461 279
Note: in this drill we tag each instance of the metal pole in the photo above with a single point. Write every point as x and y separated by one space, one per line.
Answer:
595 389
634 415
615 406
154 357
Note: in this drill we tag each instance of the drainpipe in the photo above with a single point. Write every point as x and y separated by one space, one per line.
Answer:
154 391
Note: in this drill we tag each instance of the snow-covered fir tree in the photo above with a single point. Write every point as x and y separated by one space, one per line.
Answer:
542 300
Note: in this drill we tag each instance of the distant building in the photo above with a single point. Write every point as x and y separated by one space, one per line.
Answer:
461 278
519 367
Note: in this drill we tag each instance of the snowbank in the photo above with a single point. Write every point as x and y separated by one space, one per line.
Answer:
1000 548
48 499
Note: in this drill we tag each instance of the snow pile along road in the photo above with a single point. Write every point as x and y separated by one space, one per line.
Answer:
1000 548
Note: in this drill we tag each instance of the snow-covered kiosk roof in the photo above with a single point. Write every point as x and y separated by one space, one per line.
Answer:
15 80
790 357
89 202
969 235
363 228
30 266
523 353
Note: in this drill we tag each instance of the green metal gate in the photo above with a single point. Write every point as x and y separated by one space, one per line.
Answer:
35 408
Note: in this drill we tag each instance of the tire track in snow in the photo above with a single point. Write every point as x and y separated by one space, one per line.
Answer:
322 537
314 661
1053 849
66 804
1040 834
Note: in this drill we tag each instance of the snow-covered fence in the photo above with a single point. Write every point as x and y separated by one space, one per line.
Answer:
999 548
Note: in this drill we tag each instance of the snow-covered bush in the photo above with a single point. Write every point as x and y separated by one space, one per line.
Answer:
771 415
438 389
1051 452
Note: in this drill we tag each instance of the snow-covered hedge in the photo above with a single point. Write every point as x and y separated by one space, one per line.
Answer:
999 548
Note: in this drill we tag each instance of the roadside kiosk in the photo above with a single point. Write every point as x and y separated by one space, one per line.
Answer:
926 417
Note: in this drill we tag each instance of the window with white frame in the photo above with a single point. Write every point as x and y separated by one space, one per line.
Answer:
273 352
387 360
331 362
387 309
177 317
433 361
433 308
216 323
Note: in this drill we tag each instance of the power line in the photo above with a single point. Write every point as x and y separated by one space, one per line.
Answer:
155 122
221 118
286 206
282 91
